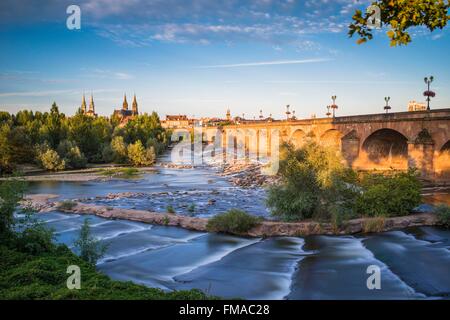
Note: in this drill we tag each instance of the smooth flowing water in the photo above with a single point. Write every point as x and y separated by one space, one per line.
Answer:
414 263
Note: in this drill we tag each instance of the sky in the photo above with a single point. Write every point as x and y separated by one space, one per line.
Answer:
201 57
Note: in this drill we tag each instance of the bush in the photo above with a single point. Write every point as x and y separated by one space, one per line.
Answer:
394 195
90 249
373 224
314 183
11 193
138 155
233 221
170 209
50 160
67 205
107 153
443 213
119 149
75 159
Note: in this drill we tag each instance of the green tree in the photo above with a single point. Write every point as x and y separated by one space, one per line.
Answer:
119 149
314 182
399 16
90 249
50 160
138 155
6 156
53 129
11 193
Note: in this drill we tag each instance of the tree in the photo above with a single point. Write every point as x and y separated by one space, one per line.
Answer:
50 160
6 163
399 16
11 192
138 155
119 149
90 249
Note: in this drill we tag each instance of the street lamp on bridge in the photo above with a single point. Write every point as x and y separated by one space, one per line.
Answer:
429 94
334 105
261 115
288 113
328 111
387 107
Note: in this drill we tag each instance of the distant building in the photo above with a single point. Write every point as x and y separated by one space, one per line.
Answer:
91 111
177 121
125 114
417 106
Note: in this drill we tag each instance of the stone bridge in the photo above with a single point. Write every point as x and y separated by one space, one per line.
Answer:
399 140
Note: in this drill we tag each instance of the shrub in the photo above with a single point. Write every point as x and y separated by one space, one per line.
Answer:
170 209
107 153
373 224
394 195
119 149
443 213
50 160
314 183
74 158
11 193
232 221
35 239
90 249
138 155
67 205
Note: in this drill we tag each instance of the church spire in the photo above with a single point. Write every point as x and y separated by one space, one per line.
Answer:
125 103
83 105
91 105
135 106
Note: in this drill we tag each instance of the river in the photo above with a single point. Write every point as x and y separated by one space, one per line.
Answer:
414 262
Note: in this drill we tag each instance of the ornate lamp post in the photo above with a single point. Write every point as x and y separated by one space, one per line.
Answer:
261 115
334 105
293 115
328 111
429 94
387 107
288 113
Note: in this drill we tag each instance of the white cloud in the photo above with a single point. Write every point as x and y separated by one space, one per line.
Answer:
265 63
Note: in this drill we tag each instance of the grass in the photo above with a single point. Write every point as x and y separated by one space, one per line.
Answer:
120 172
233 221
375 224
170 209
67 205
443 213
25 276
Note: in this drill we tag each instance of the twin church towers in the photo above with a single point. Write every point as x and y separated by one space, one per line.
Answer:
124 114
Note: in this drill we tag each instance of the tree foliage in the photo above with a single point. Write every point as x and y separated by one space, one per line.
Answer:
399 16
77 140
316 184
90 249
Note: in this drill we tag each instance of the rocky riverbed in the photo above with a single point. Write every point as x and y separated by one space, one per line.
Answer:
44 203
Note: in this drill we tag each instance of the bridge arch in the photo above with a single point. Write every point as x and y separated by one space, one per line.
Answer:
297 138
331 138
386 144
445 147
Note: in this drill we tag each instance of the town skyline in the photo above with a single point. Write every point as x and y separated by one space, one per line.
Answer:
202 60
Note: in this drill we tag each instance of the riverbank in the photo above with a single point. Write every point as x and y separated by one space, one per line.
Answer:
97 173
45 203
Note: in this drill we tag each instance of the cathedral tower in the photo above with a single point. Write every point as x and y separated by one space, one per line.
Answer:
125 103
83 105
135 106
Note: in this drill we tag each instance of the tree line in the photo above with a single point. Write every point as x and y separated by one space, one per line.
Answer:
55 141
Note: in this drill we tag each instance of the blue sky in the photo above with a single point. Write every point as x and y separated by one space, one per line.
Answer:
200 57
